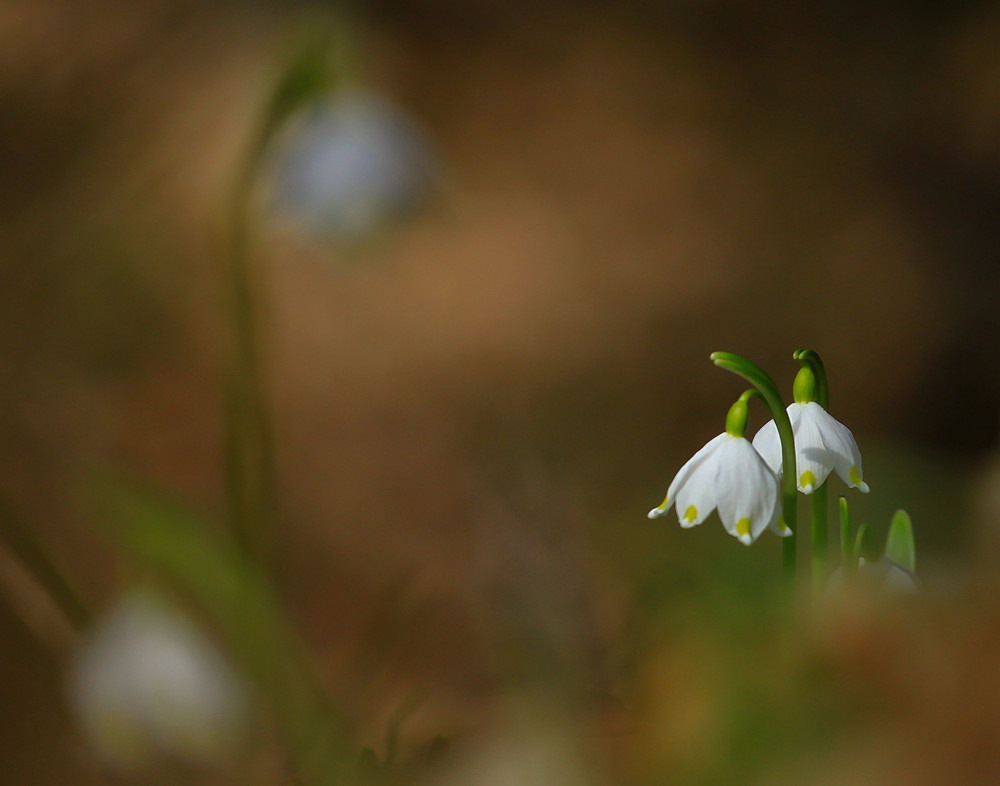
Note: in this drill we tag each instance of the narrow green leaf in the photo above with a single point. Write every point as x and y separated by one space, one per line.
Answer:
899 545
865 545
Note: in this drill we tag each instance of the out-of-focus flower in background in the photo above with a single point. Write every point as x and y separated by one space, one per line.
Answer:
350 166
147 685
885 573
536 753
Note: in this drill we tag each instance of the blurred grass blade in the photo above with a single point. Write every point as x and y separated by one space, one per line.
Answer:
215 574
899 545
37 560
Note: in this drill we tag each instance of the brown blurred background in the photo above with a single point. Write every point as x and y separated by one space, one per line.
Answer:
474 412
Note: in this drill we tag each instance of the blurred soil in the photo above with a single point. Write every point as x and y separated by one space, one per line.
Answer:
462 403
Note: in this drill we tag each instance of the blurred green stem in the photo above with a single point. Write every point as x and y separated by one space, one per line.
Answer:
249 448
849 561
820 539
759 378
53 579
248 440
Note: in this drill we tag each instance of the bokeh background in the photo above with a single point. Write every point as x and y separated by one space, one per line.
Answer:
475 407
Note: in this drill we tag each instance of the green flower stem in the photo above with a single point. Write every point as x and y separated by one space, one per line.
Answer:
757 377
848 561
818 501
39 563
820 539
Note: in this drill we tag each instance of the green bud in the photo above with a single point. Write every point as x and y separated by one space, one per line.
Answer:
736 420
804 387
811 358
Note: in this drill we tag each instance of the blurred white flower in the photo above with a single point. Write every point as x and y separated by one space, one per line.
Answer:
730 475
822 444
538 751
884 573
353 163
148 684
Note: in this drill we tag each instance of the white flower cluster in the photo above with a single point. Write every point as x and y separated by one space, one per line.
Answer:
741 479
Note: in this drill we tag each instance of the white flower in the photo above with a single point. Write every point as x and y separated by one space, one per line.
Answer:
148 684
885 574
730 475
822 444
351 165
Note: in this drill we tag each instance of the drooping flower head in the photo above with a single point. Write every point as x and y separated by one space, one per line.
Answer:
822 443
354 163
727 475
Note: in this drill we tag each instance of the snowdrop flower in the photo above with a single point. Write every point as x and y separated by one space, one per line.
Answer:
354 163
822 443
729 475
147 683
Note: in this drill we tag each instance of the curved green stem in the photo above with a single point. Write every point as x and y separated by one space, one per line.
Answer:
759 378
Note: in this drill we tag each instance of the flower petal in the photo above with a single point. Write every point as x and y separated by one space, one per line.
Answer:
767 442
746 490
684 473
778 525
899 579
696 496
842 449
812 459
